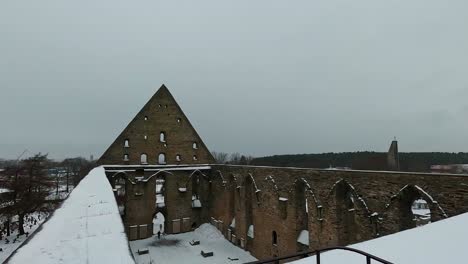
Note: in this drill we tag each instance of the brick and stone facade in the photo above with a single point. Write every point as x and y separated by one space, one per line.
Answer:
264 210
159 134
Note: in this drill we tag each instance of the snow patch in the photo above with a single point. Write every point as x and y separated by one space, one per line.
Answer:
87 228
303 237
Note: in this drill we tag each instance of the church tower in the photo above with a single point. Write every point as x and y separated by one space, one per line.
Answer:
160 134
393 159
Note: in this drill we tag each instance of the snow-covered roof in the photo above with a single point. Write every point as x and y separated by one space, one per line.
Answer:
440 242
87 228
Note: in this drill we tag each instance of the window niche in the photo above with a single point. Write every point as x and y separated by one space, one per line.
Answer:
178 158
162 136
162 158
195 145
126 143
144 159
274 238
126 157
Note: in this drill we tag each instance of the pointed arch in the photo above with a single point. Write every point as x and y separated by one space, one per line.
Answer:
351 190
350 213
157 173
121 174
220 175
398 209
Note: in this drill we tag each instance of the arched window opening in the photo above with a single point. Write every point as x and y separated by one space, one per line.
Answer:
126 157
146 118
160 191
195 145
145 137
162 158
178 157
195 157
249 196
274 238
346 214
144 159
158 223
302 216
162 137
179 120
127 143
421 212
120 189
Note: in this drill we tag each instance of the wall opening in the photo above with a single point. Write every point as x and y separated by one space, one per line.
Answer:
160 191
414 208
232 203
178 157
158 223
144 159
249 221
120 192
162 137
421 212
195 145
126 143
146 118
348 231
195 157
302 216
274 238
162 158
179 120
126 157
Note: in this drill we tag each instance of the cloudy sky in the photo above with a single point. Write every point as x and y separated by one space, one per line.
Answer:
259 77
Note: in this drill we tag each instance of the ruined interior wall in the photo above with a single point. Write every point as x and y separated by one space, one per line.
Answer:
375 211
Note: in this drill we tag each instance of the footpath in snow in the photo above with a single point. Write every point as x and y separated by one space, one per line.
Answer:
175 249
87 228
444 241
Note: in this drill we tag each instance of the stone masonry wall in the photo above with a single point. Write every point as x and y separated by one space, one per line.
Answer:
380 204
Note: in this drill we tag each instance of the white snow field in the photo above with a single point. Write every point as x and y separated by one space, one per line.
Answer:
176 249
87 228
14 241
444 241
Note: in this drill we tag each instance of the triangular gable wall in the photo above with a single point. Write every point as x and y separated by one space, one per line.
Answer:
160 114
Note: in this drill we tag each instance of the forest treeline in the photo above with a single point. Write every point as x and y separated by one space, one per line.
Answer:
409 161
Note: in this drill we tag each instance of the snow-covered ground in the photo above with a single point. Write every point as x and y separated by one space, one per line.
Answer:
10 243
444 241
87 228
176 249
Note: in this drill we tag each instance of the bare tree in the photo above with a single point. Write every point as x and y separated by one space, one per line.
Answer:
29 188
220 157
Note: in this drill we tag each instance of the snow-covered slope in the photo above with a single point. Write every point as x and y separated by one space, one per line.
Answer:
86 229
440 242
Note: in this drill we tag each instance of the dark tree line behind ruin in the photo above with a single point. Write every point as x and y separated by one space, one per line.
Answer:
411 161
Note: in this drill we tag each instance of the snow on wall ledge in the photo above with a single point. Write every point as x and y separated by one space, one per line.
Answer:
87 228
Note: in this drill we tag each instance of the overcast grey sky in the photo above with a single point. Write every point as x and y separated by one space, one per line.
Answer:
258 77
